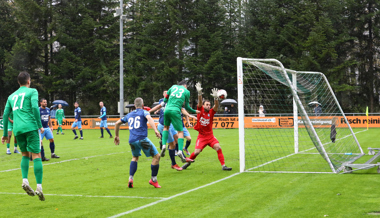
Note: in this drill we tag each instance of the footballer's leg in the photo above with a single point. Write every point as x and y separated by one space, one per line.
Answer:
218 149
172 157
52 149
101 132
187 136
73 129
22 142
80 130
132 171
16 151
154 167
33 146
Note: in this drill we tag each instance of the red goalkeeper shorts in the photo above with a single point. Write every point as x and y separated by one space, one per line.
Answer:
203 141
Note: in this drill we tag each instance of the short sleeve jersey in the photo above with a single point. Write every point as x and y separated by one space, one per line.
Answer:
45 113
137 122
77 113
103 110
162 110
205 120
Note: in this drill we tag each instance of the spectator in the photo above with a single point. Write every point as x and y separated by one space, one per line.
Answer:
233 109
226 111
52 113
317 110
261 111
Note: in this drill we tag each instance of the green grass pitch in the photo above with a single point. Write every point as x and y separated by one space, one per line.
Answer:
90 180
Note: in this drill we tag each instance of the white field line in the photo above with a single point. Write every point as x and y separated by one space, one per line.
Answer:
171 197
261 165
85 158
288 172
86 196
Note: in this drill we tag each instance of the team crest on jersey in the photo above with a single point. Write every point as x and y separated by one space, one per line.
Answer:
208 114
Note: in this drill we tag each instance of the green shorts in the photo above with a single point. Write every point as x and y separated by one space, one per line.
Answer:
29 141
10 127
59 122
173 117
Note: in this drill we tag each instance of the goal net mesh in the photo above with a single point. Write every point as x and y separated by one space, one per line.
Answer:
325 141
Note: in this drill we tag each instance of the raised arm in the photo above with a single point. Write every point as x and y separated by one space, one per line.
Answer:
199 90
214 93
166 98
157 107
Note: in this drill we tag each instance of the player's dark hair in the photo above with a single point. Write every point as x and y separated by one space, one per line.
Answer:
76 102
42 99
183 82
204 101
23 78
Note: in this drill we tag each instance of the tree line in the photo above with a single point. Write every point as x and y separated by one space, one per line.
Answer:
71 47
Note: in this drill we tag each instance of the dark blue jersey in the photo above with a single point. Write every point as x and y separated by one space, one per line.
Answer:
45 114
162 110
103 113
137 122
77 113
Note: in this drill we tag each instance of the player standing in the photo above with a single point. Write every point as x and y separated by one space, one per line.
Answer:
60 116
77 121
175 98
24 104
138 140
48 126
103 122
10 129
204 127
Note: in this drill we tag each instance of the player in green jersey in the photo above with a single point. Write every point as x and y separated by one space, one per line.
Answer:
10 129
26 114
176 97
60 115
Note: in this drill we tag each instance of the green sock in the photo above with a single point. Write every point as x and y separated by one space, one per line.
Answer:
165 135
8 145
180 144
38 170
60 129
24 167
15 145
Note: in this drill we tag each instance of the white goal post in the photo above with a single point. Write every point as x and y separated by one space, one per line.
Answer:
304 128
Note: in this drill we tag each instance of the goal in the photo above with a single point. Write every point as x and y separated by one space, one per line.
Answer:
290 121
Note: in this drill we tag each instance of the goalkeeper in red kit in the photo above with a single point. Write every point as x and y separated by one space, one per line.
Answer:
204 127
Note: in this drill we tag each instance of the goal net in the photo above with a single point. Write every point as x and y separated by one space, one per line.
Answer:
290 121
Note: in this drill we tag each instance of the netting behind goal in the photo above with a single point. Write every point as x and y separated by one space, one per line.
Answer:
287 127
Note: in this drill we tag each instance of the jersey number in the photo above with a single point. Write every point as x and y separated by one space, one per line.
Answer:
15 101
136 121
180 92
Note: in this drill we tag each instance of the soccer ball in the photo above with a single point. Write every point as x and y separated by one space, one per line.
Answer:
222 94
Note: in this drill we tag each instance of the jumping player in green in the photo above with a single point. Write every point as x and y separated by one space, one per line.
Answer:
176 97
59 116
26 116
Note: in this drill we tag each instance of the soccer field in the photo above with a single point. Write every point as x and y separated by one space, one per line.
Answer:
90 180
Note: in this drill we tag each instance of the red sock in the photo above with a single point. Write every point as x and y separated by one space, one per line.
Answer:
221 156
193 156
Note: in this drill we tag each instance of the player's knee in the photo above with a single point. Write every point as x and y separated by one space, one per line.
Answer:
217 147
197 151
51 140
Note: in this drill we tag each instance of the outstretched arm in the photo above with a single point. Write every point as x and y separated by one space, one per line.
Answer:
157 107
199 90
214 93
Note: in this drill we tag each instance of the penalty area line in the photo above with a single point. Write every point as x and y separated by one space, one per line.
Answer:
171 197
86 196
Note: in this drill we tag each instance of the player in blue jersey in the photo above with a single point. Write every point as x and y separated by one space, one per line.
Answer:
186 133
138 140
172 132
77 121
48 127
103 122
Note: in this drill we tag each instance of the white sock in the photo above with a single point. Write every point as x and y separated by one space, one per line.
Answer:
130 177
39 186
154 178
25 181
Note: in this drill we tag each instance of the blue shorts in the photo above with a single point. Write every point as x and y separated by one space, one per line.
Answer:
103 123
185 132
146 145
47 134
172 132
77 124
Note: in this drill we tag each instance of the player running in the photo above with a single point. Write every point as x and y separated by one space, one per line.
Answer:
175 98
77 121
24 104
60 116
138 140
10 129
48 126
103 122
204 127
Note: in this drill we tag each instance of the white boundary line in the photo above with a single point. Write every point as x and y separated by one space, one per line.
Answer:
86 196
85 158
171 197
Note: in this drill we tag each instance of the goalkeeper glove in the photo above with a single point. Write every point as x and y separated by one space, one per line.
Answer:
199 88
214 93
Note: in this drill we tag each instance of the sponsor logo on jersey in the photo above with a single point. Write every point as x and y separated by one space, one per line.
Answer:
204 122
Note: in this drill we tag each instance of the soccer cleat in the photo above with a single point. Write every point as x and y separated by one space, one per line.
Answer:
187 151
62 133
130 183
176 167
186 165
55 156
183 158
40 194
76 137
81 138
163 151
189 160
9 152
16 151
226 168
45 159
57 133
111 137
27 189
155 184
101 137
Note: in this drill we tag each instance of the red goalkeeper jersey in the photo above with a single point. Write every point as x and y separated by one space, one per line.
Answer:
204 124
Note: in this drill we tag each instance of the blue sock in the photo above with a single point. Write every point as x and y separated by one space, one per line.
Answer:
52 147
75 132
101 131
154 169
81 133
172 156
42 152
176 147
188 142
108 131
132 168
